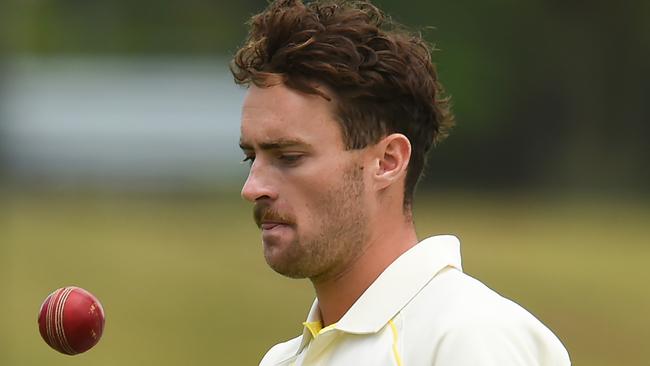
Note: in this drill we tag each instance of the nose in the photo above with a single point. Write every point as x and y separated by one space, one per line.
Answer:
257 185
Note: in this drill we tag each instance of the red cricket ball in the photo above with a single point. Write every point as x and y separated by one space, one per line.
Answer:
71 320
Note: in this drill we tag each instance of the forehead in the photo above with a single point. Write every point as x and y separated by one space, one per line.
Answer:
278 112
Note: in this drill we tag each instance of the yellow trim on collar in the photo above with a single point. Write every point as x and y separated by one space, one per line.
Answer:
316 328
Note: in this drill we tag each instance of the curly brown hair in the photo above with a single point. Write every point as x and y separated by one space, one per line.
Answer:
382 76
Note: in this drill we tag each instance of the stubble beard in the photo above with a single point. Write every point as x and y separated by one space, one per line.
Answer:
340 239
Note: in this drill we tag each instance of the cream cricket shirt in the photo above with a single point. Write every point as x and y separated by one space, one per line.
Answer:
423 310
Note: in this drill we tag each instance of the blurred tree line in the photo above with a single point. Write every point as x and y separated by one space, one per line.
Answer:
547 93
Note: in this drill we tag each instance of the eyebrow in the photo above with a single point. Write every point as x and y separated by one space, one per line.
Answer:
275 144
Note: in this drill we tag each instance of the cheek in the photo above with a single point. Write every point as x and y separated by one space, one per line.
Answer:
311 191
312 206
306 184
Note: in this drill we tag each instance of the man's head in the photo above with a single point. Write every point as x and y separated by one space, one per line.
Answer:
341 110
380 77
308 189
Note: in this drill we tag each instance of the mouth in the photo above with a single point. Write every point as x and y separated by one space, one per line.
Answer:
270 221
267 226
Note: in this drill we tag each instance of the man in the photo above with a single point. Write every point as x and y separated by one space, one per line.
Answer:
342 107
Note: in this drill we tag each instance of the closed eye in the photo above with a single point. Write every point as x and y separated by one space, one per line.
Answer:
290 159
249 159
284 159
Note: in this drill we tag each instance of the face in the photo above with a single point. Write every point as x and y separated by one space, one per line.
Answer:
308 190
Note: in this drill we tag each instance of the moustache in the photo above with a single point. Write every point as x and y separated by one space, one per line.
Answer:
263 212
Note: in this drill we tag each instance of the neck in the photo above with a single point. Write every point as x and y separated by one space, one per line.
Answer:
337 294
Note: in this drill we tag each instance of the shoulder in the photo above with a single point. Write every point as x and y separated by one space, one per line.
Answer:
469 323
281 352
458 298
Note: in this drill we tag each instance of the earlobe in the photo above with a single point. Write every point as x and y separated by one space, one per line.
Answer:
393 156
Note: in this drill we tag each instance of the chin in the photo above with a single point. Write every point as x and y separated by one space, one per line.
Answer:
286 269
282 262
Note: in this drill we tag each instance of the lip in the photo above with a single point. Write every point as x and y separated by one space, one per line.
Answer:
271 225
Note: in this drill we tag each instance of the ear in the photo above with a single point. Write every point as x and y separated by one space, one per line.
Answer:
392 156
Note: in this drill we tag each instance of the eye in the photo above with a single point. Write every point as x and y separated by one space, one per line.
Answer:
249 159
290 159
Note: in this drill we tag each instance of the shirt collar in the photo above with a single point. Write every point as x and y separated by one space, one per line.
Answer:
312 317
396 286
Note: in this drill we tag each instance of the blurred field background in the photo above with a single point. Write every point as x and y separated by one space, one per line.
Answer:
119 173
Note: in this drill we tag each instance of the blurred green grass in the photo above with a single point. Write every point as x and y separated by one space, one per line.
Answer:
183 281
